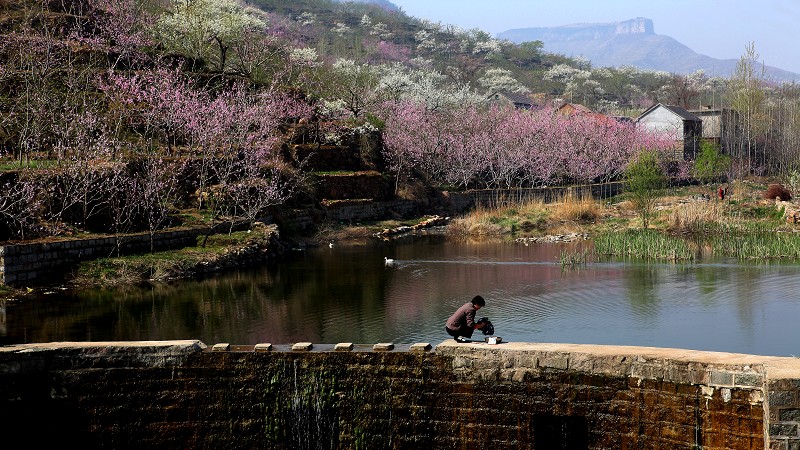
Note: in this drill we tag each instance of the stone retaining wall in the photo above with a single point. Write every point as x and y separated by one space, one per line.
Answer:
506 396
26 264
448 203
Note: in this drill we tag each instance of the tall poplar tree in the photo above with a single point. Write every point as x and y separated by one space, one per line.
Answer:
747 98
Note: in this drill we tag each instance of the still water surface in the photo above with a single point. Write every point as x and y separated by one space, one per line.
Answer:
348 294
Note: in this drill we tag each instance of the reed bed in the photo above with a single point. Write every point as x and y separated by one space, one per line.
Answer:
572 259
731 244
645 244
697 218
759 245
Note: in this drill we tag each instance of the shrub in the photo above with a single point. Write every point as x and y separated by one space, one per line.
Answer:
777 191
711 163
643 179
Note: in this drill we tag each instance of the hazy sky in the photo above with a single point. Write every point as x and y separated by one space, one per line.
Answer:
717 28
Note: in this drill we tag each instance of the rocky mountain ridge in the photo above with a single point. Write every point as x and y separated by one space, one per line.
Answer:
633 43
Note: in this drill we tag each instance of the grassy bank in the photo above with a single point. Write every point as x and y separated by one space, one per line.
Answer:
687 222
532 218
222 251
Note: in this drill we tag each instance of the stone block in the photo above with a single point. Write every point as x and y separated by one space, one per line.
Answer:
554 361
643 371
520 375
783 429
782 398
343 347
460 362
778 444
489 375
612 365
748 379
720 378
790 415
726 394
756 397
581 362
302 347
383 347
529 360
420 347
265 347
224 347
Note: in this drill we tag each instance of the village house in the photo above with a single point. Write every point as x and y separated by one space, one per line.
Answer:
719 125
519 101
568 109
575 109
685 127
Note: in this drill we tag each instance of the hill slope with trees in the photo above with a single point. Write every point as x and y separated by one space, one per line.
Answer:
131 114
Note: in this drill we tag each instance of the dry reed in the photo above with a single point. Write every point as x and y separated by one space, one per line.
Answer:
578 209
697 217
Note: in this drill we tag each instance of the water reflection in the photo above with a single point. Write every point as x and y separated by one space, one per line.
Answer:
349 294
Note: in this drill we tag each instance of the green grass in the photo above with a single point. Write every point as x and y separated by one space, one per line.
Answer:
729 244
759 245
133 269
644 244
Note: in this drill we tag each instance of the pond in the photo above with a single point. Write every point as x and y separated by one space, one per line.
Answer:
347 293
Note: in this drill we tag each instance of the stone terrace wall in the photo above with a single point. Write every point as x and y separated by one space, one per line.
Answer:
449 203
507 396
25 264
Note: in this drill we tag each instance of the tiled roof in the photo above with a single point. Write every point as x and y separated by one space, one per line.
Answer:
515 97
677 110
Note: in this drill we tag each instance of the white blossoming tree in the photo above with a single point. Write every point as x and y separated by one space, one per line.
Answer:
496 79
353 84
206 29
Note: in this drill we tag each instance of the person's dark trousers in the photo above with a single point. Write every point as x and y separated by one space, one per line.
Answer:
462 331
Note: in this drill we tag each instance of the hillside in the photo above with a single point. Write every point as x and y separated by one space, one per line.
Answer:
633 43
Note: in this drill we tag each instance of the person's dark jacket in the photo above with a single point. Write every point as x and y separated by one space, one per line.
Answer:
463 320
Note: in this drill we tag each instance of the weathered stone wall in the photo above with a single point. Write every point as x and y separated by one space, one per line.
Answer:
356 185
449 203
507 396
25 264
36 262
784 413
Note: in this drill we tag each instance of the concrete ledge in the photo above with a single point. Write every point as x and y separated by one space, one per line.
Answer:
98 354
686 366
187 346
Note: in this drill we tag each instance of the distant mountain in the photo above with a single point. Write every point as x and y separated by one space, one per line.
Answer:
633 43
